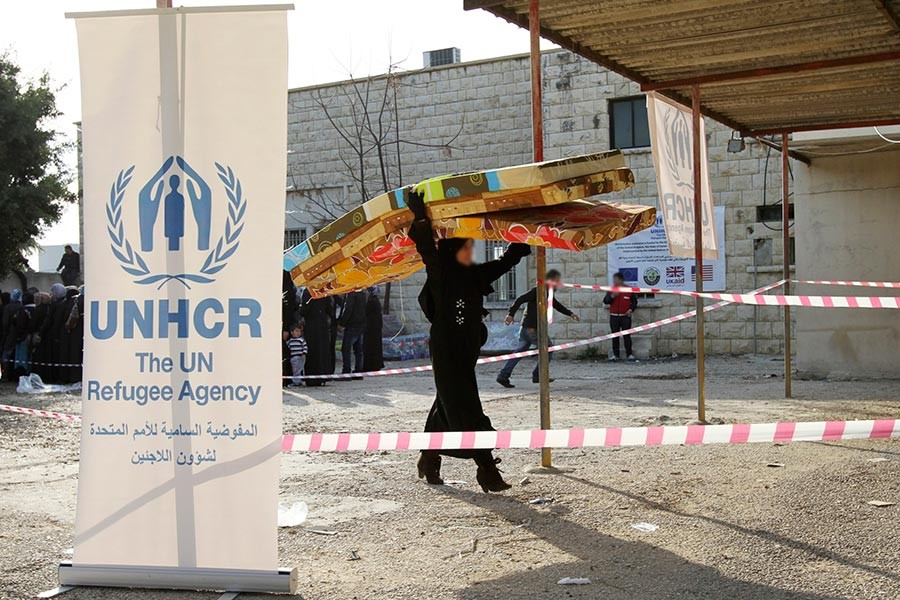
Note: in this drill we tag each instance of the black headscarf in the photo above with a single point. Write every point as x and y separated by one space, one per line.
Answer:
447 248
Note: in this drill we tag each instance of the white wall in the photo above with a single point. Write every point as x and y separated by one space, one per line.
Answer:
848 228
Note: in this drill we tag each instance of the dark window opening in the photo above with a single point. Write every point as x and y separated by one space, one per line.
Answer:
772 212
628 124
292 237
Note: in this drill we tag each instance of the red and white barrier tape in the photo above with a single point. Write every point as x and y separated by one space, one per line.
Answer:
760 299
739 433
41 413
599 437
492 359
600 338
874 284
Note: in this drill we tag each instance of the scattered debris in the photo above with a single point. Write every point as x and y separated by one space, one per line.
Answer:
645 527
32 384
574 581
541 501
293 515
470 549
878 459
775 465
880 503
320 531
525 481
353 555
524 523
455 482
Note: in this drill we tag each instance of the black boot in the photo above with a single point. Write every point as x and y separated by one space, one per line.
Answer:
488 475
429 467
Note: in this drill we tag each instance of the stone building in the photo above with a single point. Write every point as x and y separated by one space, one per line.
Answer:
476 115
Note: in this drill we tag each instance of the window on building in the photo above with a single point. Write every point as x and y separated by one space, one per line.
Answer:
628 124
292 237
505 288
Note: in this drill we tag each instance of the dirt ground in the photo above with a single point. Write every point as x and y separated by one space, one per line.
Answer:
729 526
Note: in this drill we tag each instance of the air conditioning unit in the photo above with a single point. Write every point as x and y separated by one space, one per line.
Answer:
439 58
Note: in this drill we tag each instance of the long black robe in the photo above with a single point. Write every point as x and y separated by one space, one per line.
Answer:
453 301
318 316
41 352
373 353
55 337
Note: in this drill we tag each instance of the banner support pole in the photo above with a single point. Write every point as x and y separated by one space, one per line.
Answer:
537 133
698 253
786 235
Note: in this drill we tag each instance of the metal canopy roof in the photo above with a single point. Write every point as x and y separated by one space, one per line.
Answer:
764 66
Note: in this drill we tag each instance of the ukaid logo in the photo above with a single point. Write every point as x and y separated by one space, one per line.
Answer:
174 205
674 275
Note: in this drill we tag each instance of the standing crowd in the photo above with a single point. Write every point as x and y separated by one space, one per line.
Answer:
310 328
43 333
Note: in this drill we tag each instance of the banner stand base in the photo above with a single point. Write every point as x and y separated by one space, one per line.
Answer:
282 581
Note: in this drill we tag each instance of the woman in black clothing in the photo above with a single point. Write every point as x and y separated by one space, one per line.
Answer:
318 314
373 354
453 301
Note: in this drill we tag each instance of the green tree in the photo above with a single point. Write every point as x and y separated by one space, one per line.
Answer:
34 180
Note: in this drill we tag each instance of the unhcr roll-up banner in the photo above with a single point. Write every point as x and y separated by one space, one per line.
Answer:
672 142
184 139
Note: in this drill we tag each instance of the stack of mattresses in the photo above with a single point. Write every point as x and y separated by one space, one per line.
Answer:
541 204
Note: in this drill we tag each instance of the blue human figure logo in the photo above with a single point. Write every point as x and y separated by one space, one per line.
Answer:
150 198
201 202
174 220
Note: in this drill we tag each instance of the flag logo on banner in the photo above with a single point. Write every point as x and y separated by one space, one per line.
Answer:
162 200
707 273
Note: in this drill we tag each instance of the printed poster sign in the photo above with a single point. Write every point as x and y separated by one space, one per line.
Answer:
184 139
644 260
672 141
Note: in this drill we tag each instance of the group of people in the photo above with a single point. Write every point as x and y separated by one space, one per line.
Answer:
310 334
43 333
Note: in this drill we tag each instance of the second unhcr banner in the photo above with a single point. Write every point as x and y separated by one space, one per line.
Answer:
184 151
672 143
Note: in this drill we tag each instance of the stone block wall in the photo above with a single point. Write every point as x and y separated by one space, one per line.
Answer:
477 115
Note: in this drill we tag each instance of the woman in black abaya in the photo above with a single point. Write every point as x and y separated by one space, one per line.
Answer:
373 354
318 316
453 301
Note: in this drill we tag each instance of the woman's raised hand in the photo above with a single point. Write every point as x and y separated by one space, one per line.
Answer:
416 203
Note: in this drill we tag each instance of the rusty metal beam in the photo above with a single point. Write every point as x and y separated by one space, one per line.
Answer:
786 240
537 135
792 153
767 71
698 251
820 127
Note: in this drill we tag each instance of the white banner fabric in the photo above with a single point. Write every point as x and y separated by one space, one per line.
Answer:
184 152
672 142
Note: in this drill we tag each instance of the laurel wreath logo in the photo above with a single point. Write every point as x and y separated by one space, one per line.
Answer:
134 264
